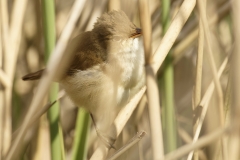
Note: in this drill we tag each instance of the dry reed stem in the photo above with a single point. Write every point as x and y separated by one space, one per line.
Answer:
205 104
151 83
234 145
11 44
172 33
203 141
146 29
19 8
132 142
191 37
199 64
44 83
6 120
207 34
154 114
17 15
198 79
1 89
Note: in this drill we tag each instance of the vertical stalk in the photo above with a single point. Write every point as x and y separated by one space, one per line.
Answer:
198 79
168 88
53 113
151 83
80 139
234 140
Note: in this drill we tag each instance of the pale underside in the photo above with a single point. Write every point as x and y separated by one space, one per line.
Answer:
108 86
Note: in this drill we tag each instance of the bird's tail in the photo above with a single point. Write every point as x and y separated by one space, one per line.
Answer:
33 76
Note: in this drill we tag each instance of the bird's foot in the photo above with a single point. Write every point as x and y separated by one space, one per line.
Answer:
107 140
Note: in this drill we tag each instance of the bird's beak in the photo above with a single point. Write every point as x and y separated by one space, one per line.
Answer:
137 33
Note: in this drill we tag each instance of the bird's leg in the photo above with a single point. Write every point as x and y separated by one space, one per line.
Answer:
108 141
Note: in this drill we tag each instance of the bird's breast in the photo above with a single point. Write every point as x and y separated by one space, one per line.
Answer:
126 68
126 62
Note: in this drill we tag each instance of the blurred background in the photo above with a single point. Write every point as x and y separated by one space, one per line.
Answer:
28 54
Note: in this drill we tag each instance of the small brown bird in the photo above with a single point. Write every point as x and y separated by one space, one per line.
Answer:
107 68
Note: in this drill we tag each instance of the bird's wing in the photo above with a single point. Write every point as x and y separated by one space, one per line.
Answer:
86 54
